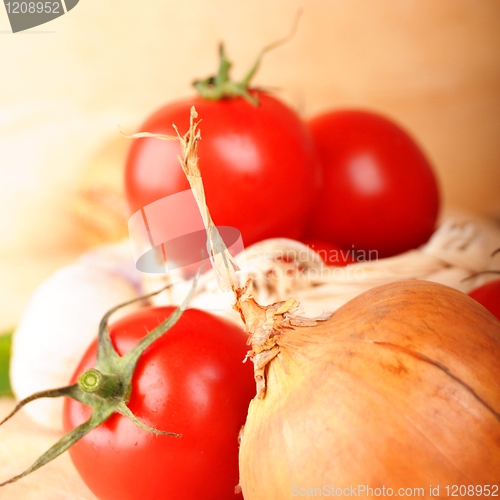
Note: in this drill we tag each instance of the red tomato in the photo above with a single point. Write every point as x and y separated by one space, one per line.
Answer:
333 255
488 295
258 163
379 190
190 381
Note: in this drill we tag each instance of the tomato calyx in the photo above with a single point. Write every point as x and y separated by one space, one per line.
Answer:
106 388
220 86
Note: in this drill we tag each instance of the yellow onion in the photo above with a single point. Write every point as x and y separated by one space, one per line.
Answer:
400 388
396 390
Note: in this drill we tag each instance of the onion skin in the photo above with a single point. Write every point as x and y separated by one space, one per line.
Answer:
399 388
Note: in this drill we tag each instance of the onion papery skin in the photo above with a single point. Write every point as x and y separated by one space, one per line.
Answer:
400 388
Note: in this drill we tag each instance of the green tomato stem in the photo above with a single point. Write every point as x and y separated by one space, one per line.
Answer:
220 86
106 388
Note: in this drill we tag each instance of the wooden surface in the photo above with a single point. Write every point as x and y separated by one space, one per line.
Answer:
21 443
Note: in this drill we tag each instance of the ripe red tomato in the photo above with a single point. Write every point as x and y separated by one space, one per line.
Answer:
191 381
488 295
258 163
379 190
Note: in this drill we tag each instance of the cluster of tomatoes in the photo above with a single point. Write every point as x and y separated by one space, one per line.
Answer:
349 180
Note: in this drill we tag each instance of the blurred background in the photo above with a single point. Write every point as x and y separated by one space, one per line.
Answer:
68 86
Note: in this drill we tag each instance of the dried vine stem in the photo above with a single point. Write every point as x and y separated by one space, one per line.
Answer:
223 262
264 324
